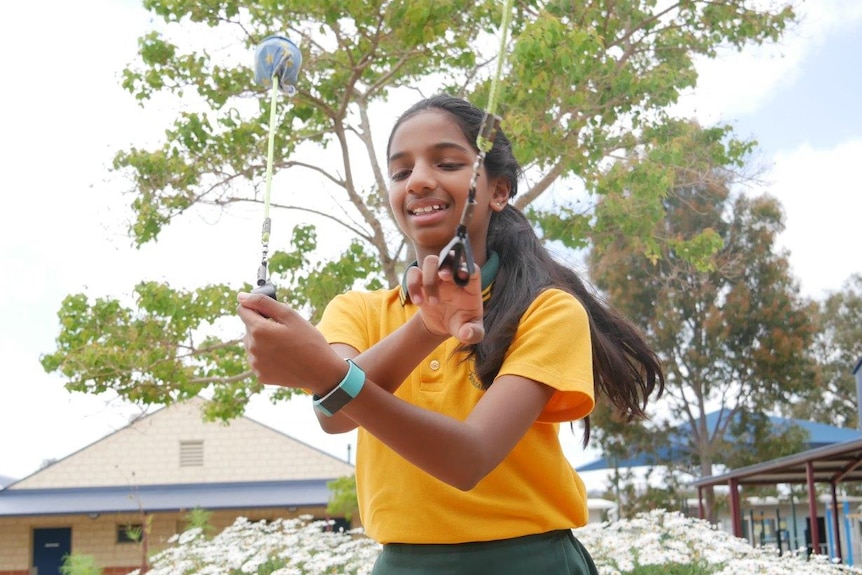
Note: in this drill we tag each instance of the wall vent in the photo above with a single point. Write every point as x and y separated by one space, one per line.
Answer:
192 453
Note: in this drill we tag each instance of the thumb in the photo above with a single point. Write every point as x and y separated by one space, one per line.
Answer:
471 332
262 304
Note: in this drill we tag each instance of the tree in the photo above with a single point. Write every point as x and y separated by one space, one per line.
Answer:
344 501
838 349
583 82
730 325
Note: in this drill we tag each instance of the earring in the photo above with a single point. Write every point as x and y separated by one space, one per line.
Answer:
499 204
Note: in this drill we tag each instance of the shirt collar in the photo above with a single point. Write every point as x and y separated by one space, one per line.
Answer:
488 271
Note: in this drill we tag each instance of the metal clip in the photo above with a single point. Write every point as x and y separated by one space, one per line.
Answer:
458 256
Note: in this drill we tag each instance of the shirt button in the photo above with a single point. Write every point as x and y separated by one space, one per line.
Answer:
435 365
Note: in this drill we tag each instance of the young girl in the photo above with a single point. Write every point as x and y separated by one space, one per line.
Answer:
458 392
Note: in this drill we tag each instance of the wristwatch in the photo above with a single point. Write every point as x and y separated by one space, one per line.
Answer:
343 393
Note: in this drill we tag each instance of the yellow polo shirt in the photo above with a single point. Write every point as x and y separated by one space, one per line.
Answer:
534 489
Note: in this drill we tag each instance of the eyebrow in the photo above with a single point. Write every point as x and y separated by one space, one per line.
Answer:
438 146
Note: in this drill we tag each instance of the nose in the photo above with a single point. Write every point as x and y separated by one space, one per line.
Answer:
421 179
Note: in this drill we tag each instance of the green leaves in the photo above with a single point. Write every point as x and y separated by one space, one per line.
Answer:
679 157
164 180
315 282
831 396
563 224
148 353
169 344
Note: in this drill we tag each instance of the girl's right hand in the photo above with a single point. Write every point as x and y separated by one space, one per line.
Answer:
447 308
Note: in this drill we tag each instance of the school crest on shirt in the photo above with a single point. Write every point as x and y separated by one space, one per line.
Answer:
474 379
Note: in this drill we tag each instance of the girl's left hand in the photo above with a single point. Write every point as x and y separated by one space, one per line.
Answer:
447 308
285 349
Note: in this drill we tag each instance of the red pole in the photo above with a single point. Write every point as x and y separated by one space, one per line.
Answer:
812 509
735 513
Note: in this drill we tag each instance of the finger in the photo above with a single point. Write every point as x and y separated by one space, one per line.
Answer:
474 286
413 281
429 278
264 306
461 272
445 274
250 317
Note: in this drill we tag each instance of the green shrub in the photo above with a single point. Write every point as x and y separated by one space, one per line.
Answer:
78 564
199 518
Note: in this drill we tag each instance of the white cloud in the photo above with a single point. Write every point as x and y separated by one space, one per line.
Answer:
739 83
820 193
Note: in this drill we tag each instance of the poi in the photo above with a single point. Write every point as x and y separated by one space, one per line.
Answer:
276 66
458 254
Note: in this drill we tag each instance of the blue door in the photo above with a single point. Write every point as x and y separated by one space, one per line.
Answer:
49 548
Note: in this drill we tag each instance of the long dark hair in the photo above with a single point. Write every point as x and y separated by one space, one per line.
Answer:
625 369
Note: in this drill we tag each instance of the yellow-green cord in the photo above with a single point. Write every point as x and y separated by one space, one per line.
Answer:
504 32
270 153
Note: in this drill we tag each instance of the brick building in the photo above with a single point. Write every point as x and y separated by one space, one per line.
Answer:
151 474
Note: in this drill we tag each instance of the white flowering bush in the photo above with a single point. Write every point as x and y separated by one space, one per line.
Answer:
667 543
657 543
281 547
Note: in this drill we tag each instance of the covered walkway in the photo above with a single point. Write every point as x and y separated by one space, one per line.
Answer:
829 465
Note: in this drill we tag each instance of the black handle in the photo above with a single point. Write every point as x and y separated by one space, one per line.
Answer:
458 256
266 289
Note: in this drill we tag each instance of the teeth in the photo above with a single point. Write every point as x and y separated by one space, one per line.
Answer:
428 209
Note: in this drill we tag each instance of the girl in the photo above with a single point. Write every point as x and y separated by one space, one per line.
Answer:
458 392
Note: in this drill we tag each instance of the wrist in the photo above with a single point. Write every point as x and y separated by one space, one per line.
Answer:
343 393
330 378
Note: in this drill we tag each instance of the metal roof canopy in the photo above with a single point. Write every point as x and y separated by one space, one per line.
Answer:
160 498
832 464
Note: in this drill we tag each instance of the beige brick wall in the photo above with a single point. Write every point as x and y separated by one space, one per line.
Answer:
98 537
15 544
147 452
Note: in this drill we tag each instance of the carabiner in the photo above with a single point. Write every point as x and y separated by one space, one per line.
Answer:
458 256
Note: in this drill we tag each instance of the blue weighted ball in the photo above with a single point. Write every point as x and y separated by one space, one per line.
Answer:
277 57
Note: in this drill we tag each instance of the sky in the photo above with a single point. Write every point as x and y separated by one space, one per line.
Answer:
63 115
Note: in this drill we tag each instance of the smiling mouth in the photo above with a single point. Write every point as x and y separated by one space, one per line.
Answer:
427 210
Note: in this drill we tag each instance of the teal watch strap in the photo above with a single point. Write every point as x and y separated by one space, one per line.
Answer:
343 393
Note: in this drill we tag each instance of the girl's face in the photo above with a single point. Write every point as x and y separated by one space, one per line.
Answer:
430 166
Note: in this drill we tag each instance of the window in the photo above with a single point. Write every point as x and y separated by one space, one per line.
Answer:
130 533
192 453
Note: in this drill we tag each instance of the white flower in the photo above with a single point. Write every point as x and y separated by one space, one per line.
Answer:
304 547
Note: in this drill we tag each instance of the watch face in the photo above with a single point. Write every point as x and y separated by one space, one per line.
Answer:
337 399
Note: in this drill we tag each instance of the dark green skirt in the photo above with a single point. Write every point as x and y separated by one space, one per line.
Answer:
554 553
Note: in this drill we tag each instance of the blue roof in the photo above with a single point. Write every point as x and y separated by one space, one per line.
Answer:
175 497
819 435
640 460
